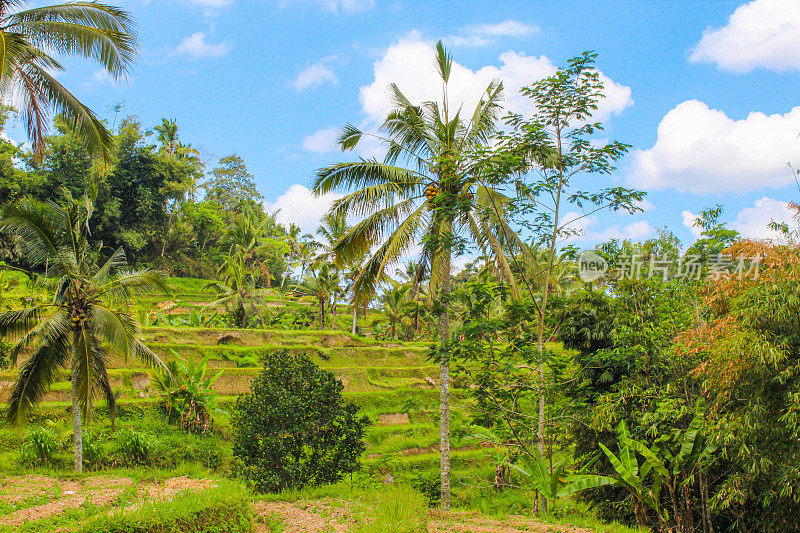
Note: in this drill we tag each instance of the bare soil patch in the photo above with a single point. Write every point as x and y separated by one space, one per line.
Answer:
336 515
393 419
61 495
307 516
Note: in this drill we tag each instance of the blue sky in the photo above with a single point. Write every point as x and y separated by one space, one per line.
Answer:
704 91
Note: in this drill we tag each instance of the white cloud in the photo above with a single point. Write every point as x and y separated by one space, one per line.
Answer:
701 150
410 63
299 205
507 28
196 46
213 4
101 77
347 6
690 220
753 222
763 33
315 75
486 34
587 231
322 141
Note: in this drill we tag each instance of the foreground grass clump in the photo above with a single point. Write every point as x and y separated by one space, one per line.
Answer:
397 509
225 508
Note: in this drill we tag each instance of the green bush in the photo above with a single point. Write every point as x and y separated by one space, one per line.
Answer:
295 429
133 448
39 446
224 509
398 510
93 453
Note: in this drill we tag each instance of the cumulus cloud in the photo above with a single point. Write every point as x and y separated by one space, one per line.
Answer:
701 150
409 62
690 220
197 46
761 34
587 230
486 34
299 205
322 141
314 75
753 222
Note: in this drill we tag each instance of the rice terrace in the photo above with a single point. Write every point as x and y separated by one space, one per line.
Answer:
370 266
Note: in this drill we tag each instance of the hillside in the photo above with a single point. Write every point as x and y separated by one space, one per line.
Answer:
393 383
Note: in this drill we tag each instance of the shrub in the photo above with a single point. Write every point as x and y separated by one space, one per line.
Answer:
224 509
93 454
134 448
294 428
398 510
39 446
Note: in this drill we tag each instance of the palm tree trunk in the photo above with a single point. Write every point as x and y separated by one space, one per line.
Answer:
76 423
444 384
322 314
355 318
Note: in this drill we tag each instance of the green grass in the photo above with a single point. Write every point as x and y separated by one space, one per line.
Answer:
380 377
225 508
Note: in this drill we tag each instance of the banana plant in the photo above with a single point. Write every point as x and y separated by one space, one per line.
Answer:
554 482
632 475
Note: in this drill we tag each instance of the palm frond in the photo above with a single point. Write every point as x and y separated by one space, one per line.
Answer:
363 173
40 228
116 328
388 254
92 30
36 376
43 332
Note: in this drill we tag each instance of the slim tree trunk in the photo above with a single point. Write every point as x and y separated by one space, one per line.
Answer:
76 423
542 313
444 382
355 318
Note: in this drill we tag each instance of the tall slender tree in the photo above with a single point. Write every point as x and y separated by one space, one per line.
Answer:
544 158
87 320
422 192
29 41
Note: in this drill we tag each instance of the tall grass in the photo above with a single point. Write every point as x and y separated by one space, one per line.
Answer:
398 509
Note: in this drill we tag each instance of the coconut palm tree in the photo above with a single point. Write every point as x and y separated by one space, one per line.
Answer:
168 135
236 289
395 305
332 228
423 192
86 322
29 41
322 285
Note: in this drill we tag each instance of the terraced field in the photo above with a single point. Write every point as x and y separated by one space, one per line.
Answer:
393 383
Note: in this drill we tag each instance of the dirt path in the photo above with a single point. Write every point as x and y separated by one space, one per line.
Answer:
42 497
336 516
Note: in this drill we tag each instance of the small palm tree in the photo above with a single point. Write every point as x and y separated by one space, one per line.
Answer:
168 135
332 228
323 286
30 40
86 322
395 305
236 290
